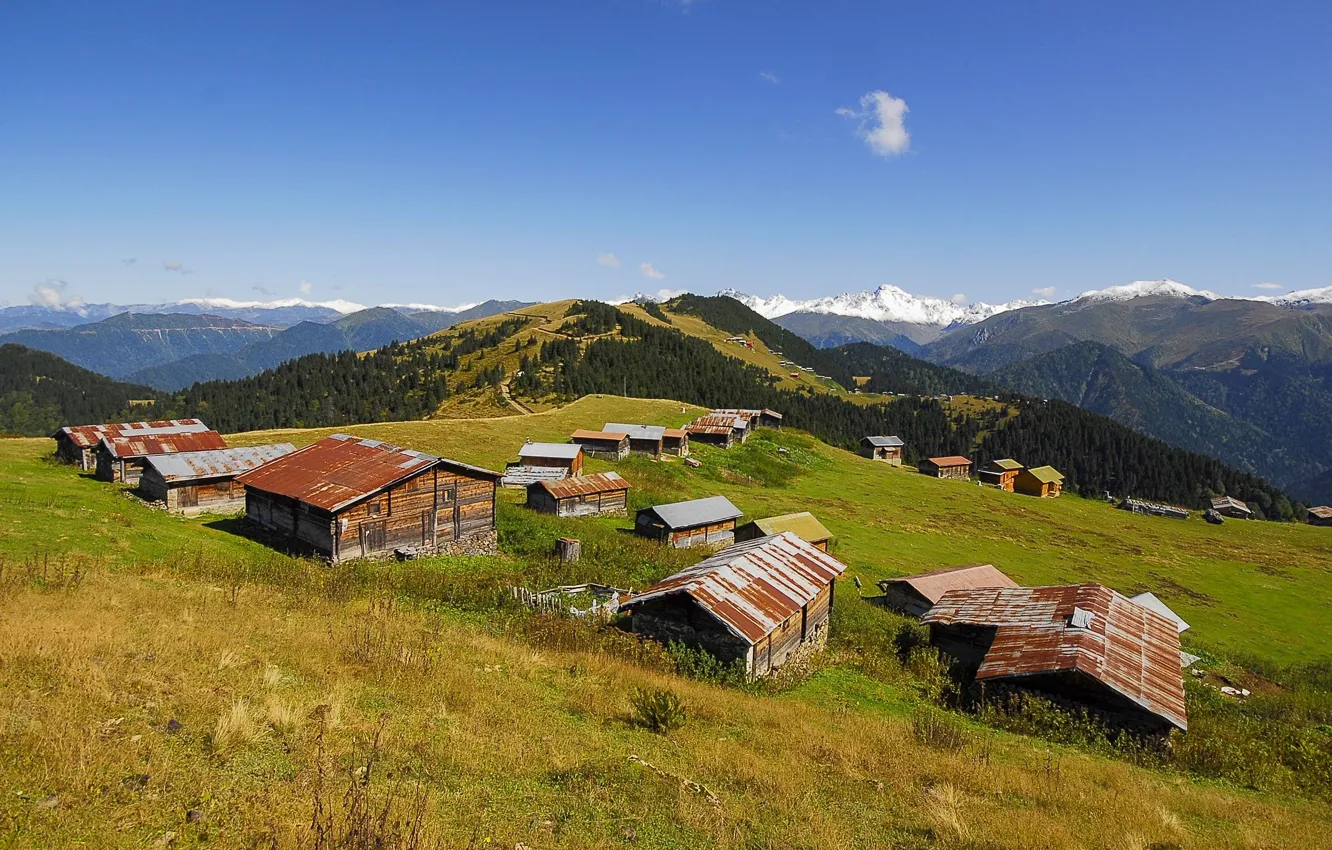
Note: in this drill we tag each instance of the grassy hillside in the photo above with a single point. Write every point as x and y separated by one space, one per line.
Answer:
518 729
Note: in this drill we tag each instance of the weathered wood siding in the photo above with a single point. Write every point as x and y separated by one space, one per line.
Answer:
214 495
961 473
702 535
591 504
645 447
126 470
677 446
574 465
605 449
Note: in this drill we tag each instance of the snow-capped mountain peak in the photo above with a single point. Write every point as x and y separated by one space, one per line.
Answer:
337 305
1300 298
885 304
1147 288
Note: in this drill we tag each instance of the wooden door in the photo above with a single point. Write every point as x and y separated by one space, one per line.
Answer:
428 519
374 536
188 497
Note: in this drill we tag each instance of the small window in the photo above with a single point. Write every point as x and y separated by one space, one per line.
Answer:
373 508
222 487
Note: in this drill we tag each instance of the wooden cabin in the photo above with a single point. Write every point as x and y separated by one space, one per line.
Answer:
914 595
122 458
566 456
722 436
1321 515
952 466
606 445
762 604
757 418
675 441
1043 481
589 495
700 522
802 525
1229 506
77 444
643 439
204 482
885 449
1084 646
739 425
344 497
1000 473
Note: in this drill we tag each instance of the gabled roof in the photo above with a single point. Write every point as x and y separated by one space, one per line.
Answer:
1221 502
613 436
933 585
190 466
586 485
341 470
696 512
635 432
1046 474
696 428
564 451
1322 512
884 442
950 460
729 420
802 525
142 446
1149 600
1007 464
1130 649
675 433
752 587
86 436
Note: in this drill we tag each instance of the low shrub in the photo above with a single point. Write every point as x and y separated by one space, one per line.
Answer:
657 709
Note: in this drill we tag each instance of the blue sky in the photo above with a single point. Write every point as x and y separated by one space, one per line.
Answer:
449 152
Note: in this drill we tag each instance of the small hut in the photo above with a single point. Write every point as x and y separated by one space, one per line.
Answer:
1321 515
588 495
738 424
1229 506
643 439
122 458
886 449
606 445
1000 473
566 456
952 466
202 482
712 435
1042 481
675 441
914 595
700 522
77 444
802 525
762 603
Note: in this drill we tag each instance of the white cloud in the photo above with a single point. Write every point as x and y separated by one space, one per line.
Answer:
649 272
306 286
172 266
668 294
1044 292
1268 286
131 261
769 77
959 298
51 293
882 123
608 260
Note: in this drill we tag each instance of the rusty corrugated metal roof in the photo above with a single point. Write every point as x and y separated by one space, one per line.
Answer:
695 428
728 420
612 436
1129 648
752 587
933 585
340 470
586 485
674 434
142 446
188 466
85 436
1223 502
950 460
1322 512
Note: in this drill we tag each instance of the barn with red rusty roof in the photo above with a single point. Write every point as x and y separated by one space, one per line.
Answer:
1083 645
77 444
760 603
121 458
346 497
917 594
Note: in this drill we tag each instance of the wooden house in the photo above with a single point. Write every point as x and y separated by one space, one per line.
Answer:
344 497
916 594
757 418
802 525
1231 507
700 522
122 458
204 482
675 441
1084 646
1000 473
1041 481
885 449
77 444
643 439
566 456
600 493
722 436
952 466
739 425
606 445
1321 515
761 603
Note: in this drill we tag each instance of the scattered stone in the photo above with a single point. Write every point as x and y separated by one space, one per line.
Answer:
195 816
173 726
628 833
165 840
49 803
136 781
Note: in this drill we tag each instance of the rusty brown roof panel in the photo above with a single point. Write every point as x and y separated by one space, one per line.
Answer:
611 436
729 420
696 428
1125 646
587 485
950 460
143 446
340 470
86 436
752 587
675 433
933 585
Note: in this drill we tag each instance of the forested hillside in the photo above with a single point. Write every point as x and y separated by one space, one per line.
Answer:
40 392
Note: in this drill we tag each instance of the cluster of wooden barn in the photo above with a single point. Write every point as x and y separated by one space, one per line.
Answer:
1083 646
1005 474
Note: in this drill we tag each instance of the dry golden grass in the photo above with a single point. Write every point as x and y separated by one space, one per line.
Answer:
512 744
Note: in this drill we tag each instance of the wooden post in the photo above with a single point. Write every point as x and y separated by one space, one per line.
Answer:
568 549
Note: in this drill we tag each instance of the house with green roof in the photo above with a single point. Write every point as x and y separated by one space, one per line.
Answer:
1042 481
1000 473
802 525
